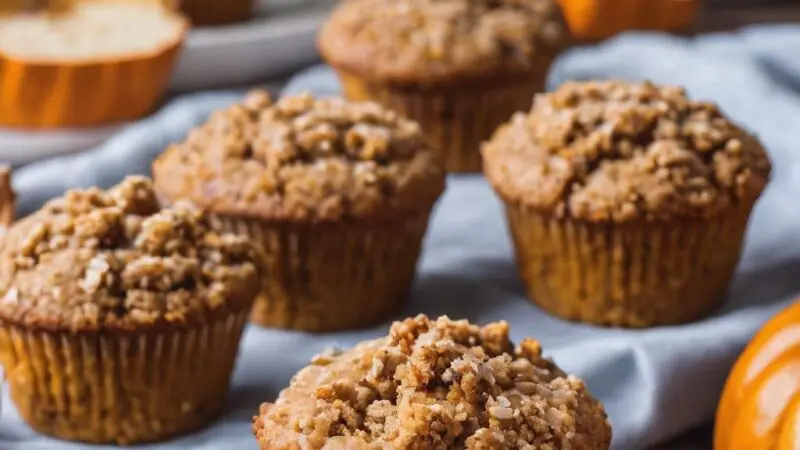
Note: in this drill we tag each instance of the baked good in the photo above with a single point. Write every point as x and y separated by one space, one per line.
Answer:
109 310
434 384
7 197
92 63
627 202
338 193
458 67
216 12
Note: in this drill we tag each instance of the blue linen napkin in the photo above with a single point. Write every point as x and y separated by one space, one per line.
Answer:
656 384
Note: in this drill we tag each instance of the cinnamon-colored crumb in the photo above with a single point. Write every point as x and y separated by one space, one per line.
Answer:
95 259
434 40
436 385
618 151
304 159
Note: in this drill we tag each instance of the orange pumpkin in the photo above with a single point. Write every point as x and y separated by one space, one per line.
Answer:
760 406
600 19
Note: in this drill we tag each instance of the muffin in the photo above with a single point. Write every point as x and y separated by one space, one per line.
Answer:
109 310
337 193
627 202
460 68
435 385
216 12
92 63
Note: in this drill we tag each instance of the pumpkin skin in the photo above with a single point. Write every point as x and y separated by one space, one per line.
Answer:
760 405
593 20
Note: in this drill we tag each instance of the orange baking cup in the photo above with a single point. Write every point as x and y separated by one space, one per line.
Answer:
87 92
600 19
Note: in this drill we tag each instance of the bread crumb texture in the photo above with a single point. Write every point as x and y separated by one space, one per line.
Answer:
91 30
430 40
304 159
113 259
621 151
435 384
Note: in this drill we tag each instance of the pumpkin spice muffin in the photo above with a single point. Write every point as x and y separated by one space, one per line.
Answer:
627 202
435 385
110 307
338 193
458 67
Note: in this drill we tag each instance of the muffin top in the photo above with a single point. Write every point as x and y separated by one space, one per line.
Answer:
304 160
442 40
95 260
434 384
617 151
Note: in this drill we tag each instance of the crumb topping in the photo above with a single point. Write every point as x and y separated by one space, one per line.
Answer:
435 384
442 39
618 151
95 259
304 159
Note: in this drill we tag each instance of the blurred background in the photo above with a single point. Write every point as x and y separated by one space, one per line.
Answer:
269 40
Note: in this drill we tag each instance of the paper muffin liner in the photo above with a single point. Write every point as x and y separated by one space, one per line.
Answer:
628 275
54 94
455 119
332 277
121 387
217 12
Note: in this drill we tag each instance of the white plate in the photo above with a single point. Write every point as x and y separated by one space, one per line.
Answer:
279 40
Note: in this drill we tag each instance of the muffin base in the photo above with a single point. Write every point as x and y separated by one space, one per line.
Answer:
122 388
332 277
627 275
456 119
217 12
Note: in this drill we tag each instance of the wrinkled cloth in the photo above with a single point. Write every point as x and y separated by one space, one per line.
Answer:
657 383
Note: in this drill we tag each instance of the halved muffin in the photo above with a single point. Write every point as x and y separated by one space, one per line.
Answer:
91 63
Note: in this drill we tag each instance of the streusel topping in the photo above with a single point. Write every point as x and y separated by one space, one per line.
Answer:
430 40
95 259
618 151
435 384
303 159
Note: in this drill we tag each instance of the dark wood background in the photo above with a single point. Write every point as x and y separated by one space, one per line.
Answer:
721 15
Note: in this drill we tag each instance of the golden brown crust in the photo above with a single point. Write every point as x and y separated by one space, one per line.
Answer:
618 151
96 260
435 385
429 42
304 160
